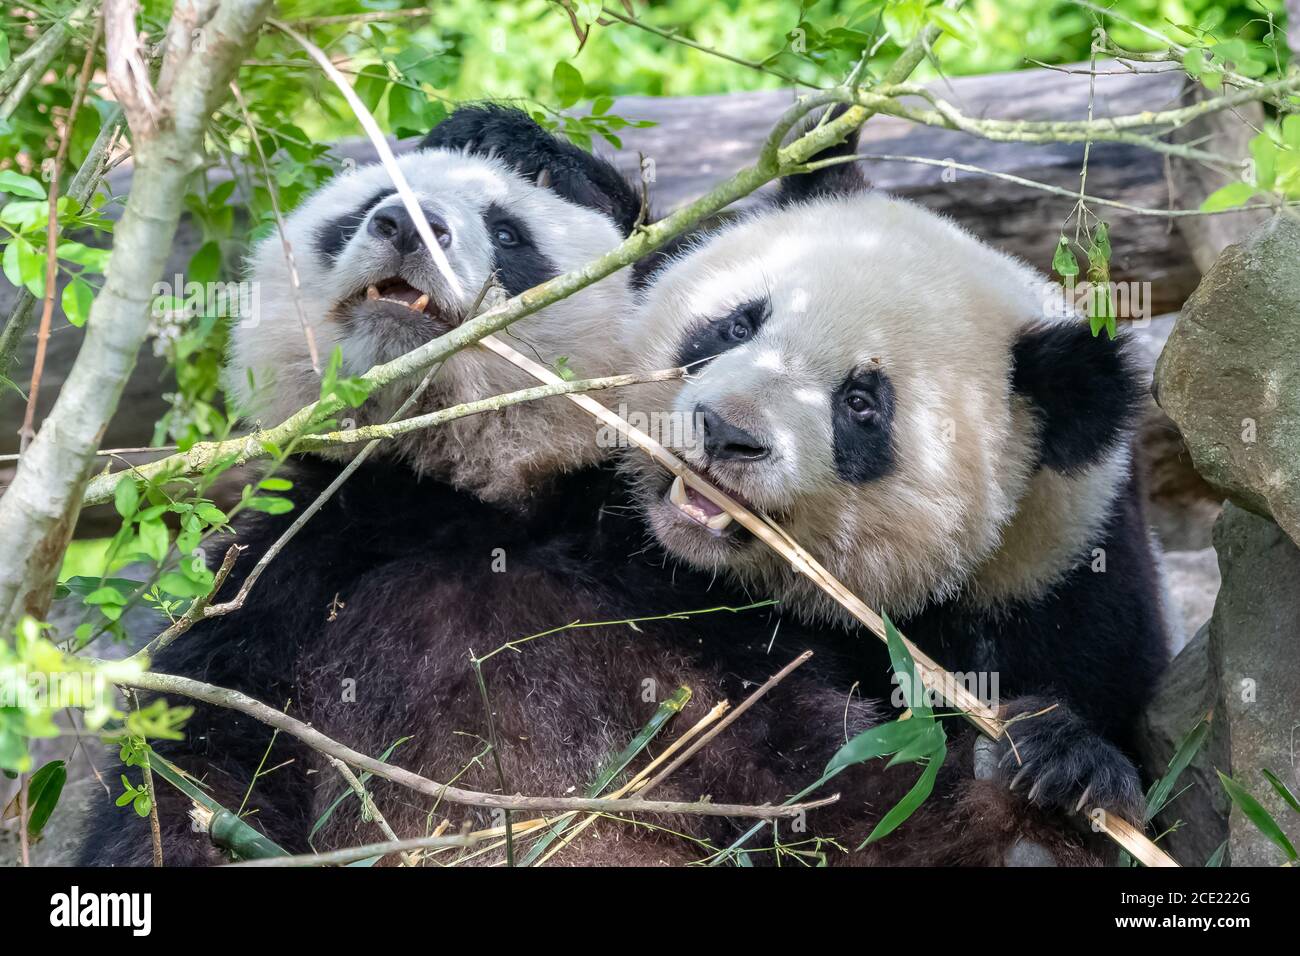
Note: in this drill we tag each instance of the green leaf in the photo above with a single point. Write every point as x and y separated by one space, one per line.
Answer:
275 484
1233 194
905 669
952 22
875 742
6 382
24 265
1216 858
899 813
1291 131
105 596
1257 815
43 792
1264 153
205 265
17 184
154 539
929 741
126 497
1282 789
211 513
1194 62
25 214
77 299
4 51
95 260
567 83
271 504
178 585
1160 791
1063 260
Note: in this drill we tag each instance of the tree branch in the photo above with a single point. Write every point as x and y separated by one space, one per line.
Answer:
40 508
251 447
29 66
223 697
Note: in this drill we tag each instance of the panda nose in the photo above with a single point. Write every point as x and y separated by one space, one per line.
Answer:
725 441
393 225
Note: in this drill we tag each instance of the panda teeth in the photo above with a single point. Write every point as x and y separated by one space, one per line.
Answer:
677 495
372 293
718 522
419 304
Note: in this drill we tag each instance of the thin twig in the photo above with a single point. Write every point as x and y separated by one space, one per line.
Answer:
726 721
313 738
494 743
273 191
30 66
632 785
700 47
253 447
1031 184
368 805
357 853
196 612
84 183
26 432
155 829
24 848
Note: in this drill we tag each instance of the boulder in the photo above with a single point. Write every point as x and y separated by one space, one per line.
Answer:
1243 668
1229 379
1254 650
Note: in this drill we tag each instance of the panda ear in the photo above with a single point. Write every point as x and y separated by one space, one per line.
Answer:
1084 389
510 135
838 179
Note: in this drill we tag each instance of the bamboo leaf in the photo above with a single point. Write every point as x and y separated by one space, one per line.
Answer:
1159 793
899 813
1257 815
1282 789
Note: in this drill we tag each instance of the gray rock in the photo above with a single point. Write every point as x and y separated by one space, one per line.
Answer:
1229 378
1254 650
1243 667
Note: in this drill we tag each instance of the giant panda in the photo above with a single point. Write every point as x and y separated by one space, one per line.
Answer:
944 437
455 541
363 625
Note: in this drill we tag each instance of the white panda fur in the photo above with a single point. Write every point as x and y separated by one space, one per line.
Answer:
986 463
269 371
852 280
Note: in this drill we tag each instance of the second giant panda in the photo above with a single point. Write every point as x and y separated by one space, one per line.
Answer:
914 410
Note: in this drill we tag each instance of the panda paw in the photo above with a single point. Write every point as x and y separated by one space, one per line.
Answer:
1055 760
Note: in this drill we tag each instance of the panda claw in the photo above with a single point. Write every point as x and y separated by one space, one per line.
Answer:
1083 800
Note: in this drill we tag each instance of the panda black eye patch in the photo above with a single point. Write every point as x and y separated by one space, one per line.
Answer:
518 262
716 336
334 235
862 417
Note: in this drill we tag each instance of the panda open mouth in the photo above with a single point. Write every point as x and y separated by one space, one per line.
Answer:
397 291
701 510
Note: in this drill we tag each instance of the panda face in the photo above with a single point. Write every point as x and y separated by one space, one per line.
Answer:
369 286
855 382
